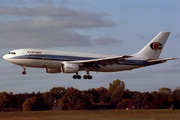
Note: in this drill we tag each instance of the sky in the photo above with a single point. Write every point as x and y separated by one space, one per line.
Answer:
118 27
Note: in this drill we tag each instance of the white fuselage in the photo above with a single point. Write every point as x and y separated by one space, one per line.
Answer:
73 62
53 59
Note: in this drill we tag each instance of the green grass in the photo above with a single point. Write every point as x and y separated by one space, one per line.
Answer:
94 115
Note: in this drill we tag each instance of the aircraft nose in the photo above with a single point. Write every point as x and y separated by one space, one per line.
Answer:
5 57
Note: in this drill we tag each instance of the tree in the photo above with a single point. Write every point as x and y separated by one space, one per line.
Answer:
176 96
48 100
154 94
93 96
4 100
165 90
70 98
160 103
137 97
103 96
127 103
30 104
83 103
116 90
166 93
13 101
57 92
127 94
146 96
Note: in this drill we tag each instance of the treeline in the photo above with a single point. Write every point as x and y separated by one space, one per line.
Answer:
116 96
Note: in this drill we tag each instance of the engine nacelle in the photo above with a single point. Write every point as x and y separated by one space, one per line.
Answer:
51 70
70 67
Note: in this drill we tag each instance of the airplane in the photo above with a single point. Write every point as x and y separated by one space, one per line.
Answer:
73 62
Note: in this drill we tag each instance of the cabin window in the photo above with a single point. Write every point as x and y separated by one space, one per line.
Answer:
12 53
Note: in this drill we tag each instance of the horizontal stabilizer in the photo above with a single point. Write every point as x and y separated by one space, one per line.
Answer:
161 60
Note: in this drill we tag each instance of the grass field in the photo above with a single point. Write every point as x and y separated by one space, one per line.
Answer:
94 115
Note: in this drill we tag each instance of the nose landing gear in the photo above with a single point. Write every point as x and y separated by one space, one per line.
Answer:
24 70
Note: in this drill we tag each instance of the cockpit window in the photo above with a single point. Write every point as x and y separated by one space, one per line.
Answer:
12 53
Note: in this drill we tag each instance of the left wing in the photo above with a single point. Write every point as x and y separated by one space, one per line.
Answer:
96 63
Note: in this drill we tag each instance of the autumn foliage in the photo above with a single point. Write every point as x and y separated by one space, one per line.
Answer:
116 96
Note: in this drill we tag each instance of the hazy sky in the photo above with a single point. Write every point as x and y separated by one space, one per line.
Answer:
120 27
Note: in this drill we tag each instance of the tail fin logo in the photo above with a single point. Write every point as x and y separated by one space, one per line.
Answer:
156 46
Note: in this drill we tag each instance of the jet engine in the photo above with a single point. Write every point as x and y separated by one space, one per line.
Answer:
70 67
51 70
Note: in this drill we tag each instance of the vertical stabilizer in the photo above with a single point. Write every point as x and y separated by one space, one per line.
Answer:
154 47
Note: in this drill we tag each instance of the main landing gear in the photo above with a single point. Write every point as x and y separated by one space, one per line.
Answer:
77 76
87 77
24 70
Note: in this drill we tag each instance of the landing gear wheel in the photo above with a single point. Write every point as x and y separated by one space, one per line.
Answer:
76 77
87 77
79 77
23 72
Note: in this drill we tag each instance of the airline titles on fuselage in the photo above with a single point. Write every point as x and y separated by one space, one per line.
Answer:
34 52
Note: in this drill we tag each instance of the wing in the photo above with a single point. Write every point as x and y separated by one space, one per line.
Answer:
97 63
